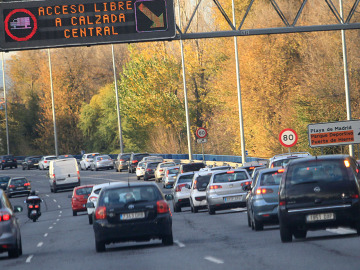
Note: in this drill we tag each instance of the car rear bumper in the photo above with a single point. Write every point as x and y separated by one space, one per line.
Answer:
265 212
66 186
79 206
9 164
7 237
18 192
132 231
221 201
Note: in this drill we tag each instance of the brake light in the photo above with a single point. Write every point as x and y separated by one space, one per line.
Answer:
161 170
167 173
347 163
272 166
54 175
246 183
281 170
179 187
92 199
26 184
14 159
148 170
121 159
354 196
230 171
215 186
251 168
4 216
45 161
182 171
11 186
195 182
3 161
78 175
100 212
282 203
31 206
162 207
36 206
263 191
134 161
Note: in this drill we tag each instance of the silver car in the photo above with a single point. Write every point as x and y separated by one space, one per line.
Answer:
160 169
225 190
262 200
102 162
170 175
181 191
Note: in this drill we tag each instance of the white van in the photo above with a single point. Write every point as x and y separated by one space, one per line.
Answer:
63 174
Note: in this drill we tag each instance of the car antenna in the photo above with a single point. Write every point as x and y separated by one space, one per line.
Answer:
128 179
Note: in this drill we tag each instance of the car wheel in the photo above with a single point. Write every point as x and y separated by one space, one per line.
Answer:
90 219
15 166
2 167
248 219
196 209
14 252
99 245
145 178
258 225
23 167
9 195
138 177
96 169
285 233
28 168
74 213
177 208
299 234
20 248
116 169
54 189
81 167
92 169
168 240
211 210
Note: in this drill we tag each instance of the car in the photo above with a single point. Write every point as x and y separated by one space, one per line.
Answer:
150 168
18 186
65 156
181 192
63 174
198 190
44 162
122 162
191 167
10 236
94 195
225 190
208 169
140 170
255 172
317 193
31 162
8 161
250 168
262 198
79 198
170 175
4 181
153 158
160 169
131 212
102 162
135 158
282 160
86 160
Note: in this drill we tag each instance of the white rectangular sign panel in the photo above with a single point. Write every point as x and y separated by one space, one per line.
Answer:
203 140
334 133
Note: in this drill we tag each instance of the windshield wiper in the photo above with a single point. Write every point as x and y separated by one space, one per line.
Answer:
306 182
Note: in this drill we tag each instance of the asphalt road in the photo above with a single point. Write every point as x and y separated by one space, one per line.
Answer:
59 240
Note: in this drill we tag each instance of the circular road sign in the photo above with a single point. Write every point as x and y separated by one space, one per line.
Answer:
201 133
288 137
20 24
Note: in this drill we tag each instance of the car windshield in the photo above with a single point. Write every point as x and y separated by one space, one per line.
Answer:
185 178
18 181
282 162
103 158
317 171
202 181
4 179
167 165
230 177
83 191
270 179
122 196
50 158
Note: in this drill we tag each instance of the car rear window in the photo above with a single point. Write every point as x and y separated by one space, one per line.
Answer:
152 165
4 179
50 158
192 167
270 179
139 157
202 182
167 165
173 171
103 157
83 191
18 181
230 177
122 196
185 178
282 162
317 171
97 191
127 157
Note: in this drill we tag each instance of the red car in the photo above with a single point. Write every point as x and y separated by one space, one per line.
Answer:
79 198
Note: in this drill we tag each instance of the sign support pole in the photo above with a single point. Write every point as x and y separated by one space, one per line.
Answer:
202 150
53 105
117 101
346 77
6 114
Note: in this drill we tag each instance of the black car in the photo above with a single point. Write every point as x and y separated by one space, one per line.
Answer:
18 186
150 169
8 161
191 167
31 162
131 212
318 193
122 162
4 181
10 237
135 158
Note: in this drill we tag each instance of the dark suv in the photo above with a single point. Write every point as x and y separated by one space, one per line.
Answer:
31 162
318 193
135 158
191 167
8 161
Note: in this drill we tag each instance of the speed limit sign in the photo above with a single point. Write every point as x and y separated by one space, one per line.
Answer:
288 137
201 133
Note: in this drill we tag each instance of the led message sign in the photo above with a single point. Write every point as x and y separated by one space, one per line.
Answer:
59 23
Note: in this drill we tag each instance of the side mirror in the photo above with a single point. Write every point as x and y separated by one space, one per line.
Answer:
169 197
17 208
90 205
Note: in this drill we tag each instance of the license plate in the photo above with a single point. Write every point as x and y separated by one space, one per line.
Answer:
33 212
18 188
233 199
129 216
320 217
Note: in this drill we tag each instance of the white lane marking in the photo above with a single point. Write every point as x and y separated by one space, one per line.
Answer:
46 234
238 209
179 243
54 200
60 212
59 215
28 259
59 206
58 220
214 260
54 223
40 244
47 195
51 227
341 231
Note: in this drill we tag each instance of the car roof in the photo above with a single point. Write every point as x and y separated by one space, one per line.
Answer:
103 185
324 157
126 184
290 155
85 186
224 171
16 178
267 170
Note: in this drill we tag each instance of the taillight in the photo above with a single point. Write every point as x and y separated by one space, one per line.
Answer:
31 206
11 186
26 184
246 183
78 175
282 203
162 207
354 196
167 173
148 170
14 159
179 187
54 175
281 170
263 191
100 212
4 216
347 163
92 199
195 182
36 206
121 159
182 171
215 187
230 171
272 166
45 161
3 161
161 170
134 161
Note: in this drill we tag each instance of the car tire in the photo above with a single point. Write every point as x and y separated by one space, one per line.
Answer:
168 240
81 168
138 177
23 167
177 208
15 166
2 167
90 219
9 195
96 169
211 210
14 252
28 168
20 248
99 246
248 219
299 234
145 178
285 233
54 189
196 209
258 225
116 169
74 213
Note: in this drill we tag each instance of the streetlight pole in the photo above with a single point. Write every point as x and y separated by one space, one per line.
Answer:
53 105
6 114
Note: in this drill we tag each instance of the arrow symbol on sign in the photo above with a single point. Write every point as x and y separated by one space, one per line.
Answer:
158 20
